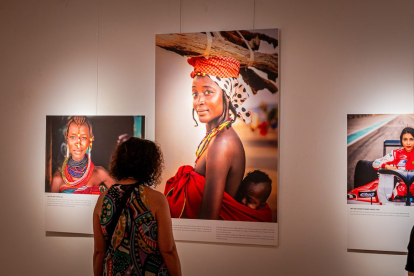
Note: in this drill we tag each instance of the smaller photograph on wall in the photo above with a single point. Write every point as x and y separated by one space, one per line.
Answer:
380 159
78 154
79 148
380 181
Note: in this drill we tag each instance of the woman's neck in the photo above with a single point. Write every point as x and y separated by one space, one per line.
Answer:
129 180
214 123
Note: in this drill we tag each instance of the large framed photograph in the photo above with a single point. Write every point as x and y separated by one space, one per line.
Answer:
217 120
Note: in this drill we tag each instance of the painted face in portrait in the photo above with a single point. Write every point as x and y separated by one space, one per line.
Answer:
78 140
207 100
408 142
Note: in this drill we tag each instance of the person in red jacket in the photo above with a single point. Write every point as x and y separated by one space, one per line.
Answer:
399 159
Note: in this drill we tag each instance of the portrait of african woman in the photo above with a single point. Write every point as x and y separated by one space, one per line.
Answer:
78 150
216 105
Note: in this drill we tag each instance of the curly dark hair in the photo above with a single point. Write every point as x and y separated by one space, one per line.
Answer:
255 177
137 158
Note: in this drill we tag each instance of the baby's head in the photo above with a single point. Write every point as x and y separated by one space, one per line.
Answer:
254 190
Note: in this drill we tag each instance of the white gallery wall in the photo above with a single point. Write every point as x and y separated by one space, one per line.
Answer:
98 58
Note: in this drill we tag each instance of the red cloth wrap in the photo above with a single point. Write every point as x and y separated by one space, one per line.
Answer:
223 67
184 192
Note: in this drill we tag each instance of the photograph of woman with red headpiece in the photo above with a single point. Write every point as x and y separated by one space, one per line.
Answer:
234 174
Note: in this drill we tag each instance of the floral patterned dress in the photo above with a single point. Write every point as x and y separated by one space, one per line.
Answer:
133 247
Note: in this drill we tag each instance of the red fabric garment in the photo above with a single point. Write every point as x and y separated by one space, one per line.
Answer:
408 166
410 162
402 160
223 67
92 190
184 192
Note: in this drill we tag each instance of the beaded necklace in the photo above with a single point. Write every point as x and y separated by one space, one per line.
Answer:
212 133
77 168
67 178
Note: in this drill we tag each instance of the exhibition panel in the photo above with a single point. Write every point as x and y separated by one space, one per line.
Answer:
78 152
229 80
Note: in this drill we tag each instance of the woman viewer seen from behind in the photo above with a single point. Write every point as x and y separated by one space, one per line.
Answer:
132 222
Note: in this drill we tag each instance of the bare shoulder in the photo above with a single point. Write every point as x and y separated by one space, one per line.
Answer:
102 174
57 182
156 199
226 141
154 194
57 176
100 170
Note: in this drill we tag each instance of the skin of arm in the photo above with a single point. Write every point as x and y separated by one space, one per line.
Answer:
104 177
57 181
218 164
166 244
100 245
